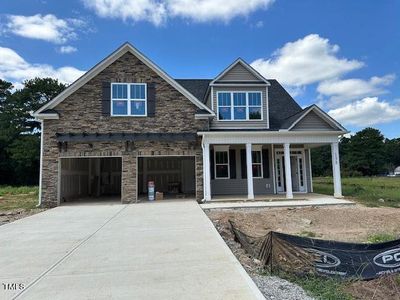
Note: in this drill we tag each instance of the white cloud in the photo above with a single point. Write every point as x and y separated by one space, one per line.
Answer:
44 27
16 69
136 10
67 49
158 11
214 10
366 112
340 91
308 60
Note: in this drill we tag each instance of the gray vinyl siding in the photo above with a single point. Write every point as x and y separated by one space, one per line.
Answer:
238 186
238 73
312 122
262 124
308 170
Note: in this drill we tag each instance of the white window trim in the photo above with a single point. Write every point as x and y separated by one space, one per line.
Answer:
260 163
232 106
215 163
129 99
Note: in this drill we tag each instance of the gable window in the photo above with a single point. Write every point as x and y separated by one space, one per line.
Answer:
128 99
221 164
256 160
239 106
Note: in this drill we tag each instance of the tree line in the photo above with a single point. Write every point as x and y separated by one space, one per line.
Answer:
366 153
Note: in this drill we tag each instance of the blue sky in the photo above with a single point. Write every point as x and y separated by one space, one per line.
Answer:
342 55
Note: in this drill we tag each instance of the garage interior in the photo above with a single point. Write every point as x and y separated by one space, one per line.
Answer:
90 179
174 176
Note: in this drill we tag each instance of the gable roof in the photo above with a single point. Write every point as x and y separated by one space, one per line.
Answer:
126 47
291 121
243 64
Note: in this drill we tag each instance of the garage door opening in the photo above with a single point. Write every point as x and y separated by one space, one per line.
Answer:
90 179
174 176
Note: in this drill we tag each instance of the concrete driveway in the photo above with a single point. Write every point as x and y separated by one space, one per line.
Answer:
166 250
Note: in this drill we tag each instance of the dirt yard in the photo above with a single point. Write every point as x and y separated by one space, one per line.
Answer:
341 223
354 223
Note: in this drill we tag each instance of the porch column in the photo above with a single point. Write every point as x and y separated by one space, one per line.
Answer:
250 191
288 171
206 172
337 181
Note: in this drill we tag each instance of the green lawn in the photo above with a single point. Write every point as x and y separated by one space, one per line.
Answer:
23 197
371 191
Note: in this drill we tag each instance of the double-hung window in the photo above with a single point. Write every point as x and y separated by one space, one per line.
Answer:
256 160
239 106
128 99
254 106
224 106
222 164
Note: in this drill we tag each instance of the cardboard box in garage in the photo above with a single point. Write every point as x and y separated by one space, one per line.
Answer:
159 196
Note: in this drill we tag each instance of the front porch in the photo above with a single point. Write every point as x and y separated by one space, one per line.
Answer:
253 165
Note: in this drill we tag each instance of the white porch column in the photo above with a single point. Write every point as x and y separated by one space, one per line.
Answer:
206 172
337 181
288 171
250 191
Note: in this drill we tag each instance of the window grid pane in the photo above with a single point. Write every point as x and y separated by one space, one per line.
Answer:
120 107
138 108
224 99
138 91
120 91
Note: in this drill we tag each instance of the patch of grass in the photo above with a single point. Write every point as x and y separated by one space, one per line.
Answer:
309 234
17 190
325 288
370 191
23 197
381 238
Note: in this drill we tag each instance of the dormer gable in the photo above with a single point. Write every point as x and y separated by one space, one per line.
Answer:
240 72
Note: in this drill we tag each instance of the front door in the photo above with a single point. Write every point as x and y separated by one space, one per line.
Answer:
297 169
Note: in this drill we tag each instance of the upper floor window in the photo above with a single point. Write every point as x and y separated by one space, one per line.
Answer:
239 106
128 99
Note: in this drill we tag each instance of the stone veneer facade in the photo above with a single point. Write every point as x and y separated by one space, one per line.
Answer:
82 112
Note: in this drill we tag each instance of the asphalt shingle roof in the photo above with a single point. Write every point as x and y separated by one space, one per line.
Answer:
197 87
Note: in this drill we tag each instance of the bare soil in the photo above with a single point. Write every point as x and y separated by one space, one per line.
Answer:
341 223
7 216
353 223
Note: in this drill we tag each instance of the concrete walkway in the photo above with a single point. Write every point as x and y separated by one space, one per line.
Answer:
166 250
315 201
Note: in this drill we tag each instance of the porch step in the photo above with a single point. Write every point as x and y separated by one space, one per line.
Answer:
323 201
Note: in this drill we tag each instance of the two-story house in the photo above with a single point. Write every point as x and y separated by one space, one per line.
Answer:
126 122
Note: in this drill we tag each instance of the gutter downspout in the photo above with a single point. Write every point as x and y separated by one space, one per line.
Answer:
41 162
204 179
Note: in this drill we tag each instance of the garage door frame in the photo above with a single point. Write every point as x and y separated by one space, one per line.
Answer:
159 156
80 157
